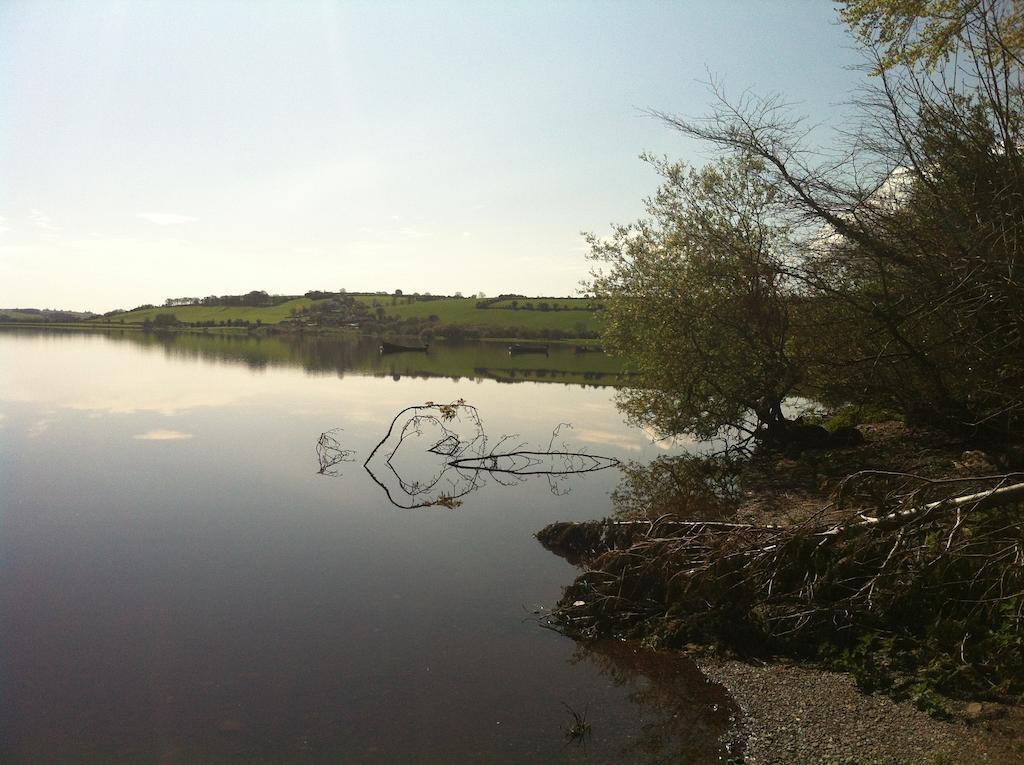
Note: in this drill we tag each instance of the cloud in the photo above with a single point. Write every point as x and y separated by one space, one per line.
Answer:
166 219
669 442
3 225
624 441
162 435
40 220
39 426
415 233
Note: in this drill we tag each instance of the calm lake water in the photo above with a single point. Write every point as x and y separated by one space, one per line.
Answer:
179 585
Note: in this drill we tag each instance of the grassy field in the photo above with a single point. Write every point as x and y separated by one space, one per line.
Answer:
13 314
266 314
572 316
464 311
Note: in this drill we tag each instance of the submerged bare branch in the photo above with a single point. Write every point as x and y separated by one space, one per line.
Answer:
435 454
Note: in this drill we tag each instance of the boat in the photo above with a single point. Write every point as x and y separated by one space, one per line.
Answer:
589 349
516 348
386 347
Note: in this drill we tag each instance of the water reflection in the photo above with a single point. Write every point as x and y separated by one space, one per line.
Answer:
211 600
435 454
684 716
341 354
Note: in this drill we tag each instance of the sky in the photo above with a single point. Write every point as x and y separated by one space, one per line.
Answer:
164 148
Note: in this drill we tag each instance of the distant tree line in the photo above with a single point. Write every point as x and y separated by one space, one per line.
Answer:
522 303
254 298
43 314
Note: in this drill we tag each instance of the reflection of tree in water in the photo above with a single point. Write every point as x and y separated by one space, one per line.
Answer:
685 717
435 454
343 354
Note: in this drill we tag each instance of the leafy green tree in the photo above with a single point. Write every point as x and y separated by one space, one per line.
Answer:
905 244
696 302
930 32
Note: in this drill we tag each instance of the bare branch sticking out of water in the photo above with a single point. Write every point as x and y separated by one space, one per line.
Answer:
434 454
579 728
330 453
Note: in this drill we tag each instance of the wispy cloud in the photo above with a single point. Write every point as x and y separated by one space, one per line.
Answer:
415 233
39 426
162 435
167 219
672 442
608 438
40 220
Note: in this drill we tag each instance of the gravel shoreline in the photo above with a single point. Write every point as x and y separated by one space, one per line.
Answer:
796 715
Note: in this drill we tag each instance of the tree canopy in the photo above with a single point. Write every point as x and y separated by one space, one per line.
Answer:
886 271
930 32
695 301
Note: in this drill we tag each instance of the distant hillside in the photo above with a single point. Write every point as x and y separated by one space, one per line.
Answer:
43 314
391 313
269 314
573 316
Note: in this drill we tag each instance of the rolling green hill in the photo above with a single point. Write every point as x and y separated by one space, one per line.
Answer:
200 313
570 316
464 312
44 314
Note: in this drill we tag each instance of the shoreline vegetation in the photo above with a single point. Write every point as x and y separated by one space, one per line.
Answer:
876 281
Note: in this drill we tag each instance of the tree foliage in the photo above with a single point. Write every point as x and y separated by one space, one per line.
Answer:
930 32
694 296
887 272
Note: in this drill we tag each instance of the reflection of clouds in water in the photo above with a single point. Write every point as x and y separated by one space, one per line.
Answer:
134 388
111 378
162 435
39 427
595 407
167 404
667 444
604 424
607 438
